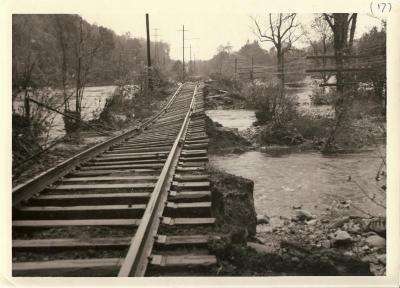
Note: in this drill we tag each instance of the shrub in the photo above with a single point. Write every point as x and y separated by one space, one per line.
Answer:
321 97
270 103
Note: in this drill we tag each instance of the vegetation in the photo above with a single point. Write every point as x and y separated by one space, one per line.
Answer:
54 58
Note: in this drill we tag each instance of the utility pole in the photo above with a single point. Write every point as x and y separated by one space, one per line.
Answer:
183 52
194 63
190 61
150 84
235 68
252 67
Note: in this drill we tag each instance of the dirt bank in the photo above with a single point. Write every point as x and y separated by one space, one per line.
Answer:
221 99
233 204
225 140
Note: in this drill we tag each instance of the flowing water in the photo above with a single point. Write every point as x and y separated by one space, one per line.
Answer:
306 179
94 99
241 119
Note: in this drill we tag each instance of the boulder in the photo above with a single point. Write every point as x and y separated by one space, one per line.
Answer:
266 248
341 237
382 259
303 215
312 222
376 241
326 244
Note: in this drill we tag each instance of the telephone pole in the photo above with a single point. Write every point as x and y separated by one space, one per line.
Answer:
252 69
235 68
183 52
190 61
150 84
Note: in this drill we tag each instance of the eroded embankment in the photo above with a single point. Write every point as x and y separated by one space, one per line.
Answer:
224 140
348 248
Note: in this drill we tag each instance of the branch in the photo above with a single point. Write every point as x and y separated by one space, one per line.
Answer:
292 17
272 28
260 35
327 19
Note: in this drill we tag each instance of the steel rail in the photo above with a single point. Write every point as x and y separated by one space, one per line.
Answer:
35 185
136 260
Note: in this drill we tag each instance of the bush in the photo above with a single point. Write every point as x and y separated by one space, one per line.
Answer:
281 135
297 130
271 105
320 97
311 127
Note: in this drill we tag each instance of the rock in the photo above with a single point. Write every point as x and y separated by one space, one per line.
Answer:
348 253
266 248
339 222
312 222
238 150
376 241
341 237
262 219
297 206
370 259
382 259
295 259
264 228
303 215
326 244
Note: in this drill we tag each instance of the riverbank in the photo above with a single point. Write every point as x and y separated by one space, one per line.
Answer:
251 245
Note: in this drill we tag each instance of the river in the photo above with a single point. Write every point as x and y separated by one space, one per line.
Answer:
306 179
94 99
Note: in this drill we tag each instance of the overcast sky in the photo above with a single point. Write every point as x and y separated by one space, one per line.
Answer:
212 29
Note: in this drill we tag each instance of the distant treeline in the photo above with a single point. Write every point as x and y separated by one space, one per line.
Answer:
52 49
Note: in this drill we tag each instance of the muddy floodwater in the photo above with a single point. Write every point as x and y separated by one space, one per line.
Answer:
306 179
241 119
94 99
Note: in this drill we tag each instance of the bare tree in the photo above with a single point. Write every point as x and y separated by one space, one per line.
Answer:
79 44
322 45
223 53
282 31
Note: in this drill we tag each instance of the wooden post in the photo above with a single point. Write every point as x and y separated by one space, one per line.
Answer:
235 68
251 71
183 52
150 84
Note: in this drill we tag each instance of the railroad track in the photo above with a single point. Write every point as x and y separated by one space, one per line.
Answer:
136 205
